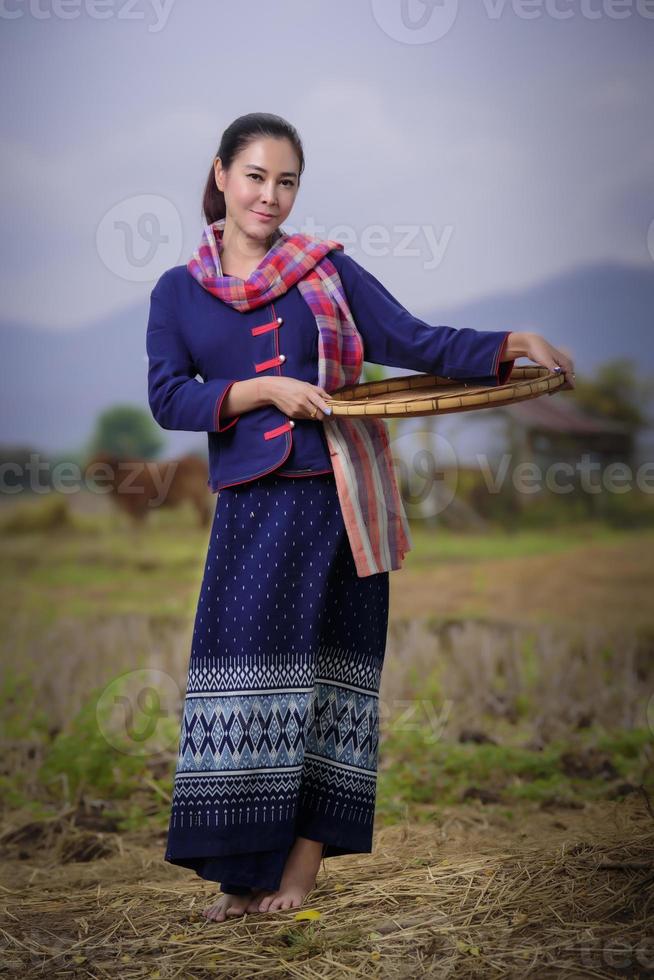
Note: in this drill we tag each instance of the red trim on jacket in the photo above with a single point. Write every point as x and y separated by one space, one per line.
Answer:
264 327
270 363
279 430
298 473
256 476
502 369
216 413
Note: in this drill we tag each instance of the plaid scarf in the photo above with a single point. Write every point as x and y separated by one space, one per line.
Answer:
369 496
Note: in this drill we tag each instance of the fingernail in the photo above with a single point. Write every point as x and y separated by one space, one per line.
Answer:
328 411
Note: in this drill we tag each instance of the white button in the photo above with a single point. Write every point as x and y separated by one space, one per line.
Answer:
279 319
282 357
291 423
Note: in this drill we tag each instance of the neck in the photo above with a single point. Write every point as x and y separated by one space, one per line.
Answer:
240 248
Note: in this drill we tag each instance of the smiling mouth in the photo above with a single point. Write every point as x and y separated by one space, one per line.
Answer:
262 214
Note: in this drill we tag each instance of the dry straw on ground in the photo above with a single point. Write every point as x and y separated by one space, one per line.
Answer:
569 895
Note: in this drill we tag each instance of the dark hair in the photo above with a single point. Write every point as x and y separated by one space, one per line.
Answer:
236 137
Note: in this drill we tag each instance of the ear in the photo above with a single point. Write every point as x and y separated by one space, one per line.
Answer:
218 174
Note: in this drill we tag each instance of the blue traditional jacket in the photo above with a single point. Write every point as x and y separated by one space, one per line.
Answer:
190 332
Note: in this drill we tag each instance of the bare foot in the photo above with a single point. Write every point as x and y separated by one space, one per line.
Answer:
255 901
227 906
298 878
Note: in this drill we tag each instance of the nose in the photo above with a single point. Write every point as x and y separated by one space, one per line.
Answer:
268 194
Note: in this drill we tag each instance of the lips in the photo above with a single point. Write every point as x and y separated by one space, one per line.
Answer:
262 214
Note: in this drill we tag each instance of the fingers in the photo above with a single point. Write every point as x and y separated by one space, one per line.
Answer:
318 403
318 409
568 372
553 359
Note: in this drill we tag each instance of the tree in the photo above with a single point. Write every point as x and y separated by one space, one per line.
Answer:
126 431
617 393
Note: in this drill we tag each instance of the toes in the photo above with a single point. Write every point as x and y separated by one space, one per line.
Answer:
255 899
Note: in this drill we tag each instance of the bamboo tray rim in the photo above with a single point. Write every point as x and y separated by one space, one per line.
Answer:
453 395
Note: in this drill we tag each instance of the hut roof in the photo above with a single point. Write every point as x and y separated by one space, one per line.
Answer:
560 415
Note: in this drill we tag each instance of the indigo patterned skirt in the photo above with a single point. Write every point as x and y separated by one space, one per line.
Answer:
280 727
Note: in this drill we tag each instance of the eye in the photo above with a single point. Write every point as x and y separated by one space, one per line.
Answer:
287 182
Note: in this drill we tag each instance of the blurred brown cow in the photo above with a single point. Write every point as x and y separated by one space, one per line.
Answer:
139 486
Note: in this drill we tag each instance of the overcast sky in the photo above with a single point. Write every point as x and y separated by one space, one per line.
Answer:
496 143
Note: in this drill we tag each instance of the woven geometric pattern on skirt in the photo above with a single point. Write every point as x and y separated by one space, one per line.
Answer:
280 728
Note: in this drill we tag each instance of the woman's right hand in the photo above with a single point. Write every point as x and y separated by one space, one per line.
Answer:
298 399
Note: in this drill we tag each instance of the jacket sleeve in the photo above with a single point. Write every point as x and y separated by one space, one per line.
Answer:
177 399
393 336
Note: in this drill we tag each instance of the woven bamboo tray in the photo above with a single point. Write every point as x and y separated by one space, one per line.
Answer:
428 394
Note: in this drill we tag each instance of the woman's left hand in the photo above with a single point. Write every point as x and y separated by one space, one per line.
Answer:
532 345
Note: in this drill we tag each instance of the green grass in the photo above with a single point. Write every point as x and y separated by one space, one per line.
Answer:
417 776
97 567
418 773
441 545
98 564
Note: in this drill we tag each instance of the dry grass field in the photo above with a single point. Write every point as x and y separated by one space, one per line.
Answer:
514 834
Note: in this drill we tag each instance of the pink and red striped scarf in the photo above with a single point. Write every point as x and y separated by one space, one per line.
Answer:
370 499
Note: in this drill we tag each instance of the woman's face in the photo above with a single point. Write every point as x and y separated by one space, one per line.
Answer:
262 180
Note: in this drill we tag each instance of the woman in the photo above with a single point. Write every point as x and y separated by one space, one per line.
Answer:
278 749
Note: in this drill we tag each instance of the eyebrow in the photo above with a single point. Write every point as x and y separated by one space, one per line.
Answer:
285 173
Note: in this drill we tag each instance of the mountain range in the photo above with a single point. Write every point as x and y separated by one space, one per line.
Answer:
54 383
